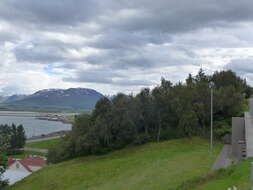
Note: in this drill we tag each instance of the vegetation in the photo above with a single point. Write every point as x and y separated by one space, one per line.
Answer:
46 144
22 154
14 137
166 112
3 148
163 165
237 175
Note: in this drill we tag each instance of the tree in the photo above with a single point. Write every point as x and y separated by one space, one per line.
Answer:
16 136
4 145
21 138
168 111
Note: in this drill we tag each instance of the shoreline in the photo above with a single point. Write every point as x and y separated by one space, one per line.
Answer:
57 134
33 114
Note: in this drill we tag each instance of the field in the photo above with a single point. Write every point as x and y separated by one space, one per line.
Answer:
43 144
164 165
24 153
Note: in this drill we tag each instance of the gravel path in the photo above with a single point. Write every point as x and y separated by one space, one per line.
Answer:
224 158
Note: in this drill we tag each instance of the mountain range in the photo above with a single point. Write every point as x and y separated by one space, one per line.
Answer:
72 99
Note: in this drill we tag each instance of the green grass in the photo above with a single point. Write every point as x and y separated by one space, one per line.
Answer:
237 175
43 144
24 153
155 166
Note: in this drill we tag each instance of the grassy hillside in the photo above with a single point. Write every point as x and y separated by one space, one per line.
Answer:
237 175
163 165
43 144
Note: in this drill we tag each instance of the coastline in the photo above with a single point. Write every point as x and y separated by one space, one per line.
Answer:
48 136
33 114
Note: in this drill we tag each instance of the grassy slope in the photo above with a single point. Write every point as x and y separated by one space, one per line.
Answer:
43 144
152 166
237 175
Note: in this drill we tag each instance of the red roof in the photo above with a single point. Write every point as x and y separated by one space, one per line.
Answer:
33 161
25 166
27 161
11 161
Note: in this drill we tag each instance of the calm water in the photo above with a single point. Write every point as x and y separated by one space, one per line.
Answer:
35 127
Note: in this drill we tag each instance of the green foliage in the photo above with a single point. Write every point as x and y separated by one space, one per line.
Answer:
4 144
166 112
14 137
221 128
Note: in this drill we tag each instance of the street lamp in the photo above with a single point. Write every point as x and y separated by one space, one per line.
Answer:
211 86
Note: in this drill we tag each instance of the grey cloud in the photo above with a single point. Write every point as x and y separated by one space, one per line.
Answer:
142 35
45 50
11 89
124 40
127 82
8 36
40 54
106 76
241 66
180 16
131 15
59 12
145 57
94 76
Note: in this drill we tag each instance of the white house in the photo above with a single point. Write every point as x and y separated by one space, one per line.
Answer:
20 168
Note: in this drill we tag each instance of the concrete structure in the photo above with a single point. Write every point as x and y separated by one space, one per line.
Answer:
242 136
238 137
249 134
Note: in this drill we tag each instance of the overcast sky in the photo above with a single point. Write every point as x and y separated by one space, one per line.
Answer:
120 45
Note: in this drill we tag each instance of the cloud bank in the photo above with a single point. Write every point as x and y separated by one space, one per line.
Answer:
120 46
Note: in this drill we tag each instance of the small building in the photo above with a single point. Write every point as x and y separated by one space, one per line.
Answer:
29 163
21 168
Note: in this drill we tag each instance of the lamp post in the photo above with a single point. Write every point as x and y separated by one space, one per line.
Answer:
211 86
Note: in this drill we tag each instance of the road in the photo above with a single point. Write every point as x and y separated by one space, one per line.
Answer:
35 149
43 139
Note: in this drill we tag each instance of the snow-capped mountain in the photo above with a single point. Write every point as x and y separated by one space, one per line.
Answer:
71 99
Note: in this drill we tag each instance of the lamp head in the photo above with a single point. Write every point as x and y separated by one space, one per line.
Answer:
211 84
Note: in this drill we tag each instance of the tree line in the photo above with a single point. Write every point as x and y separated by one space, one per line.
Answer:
166 112
12 138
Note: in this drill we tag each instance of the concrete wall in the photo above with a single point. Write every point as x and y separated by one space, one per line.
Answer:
238 134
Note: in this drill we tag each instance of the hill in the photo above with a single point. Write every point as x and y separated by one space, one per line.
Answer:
73 99
163 165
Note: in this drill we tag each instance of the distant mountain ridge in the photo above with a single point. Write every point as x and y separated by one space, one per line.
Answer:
72 99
